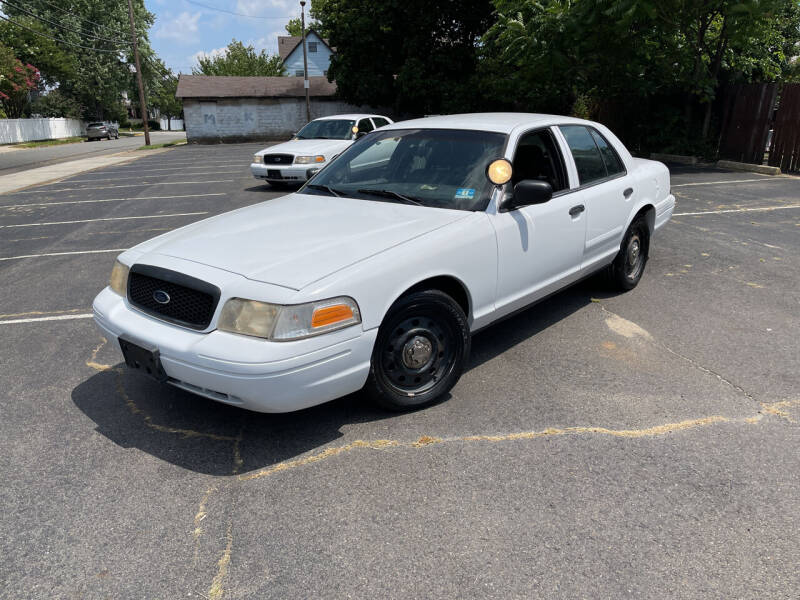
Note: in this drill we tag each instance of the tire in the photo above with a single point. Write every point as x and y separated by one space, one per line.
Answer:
625 272
420 353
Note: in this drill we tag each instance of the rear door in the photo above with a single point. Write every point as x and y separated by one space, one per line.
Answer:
604 190
365 126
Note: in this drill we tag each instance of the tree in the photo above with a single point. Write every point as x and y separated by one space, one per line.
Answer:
56 104
650 67
54 62
416 56
95 36
294 27
17 79
165 100
241 60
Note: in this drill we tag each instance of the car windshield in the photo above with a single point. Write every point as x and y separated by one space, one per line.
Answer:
440 168
327 129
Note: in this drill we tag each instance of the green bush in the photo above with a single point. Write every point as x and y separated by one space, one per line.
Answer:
153 125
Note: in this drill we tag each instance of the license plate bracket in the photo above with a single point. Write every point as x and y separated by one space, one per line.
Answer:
274 174
146 359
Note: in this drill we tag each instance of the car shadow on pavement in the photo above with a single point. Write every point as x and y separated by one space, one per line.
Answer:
266 187
208 437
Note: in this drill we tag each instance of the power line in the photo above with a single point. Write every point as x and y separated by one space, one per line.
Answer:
64 10
39 33
45 20
230 12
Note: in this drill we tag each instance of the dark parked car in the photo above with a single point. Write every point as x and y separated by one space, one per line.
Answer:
98 131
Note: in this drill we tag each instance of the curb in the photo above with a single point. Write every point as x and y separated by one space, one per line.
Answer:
54 173
674 158
737 166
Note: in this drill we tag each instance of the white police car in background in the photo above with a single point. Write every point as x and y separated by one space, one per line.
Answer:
314 146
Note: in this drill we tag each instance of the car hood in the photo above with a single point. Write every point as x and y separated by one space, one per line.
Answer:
295 240
308 147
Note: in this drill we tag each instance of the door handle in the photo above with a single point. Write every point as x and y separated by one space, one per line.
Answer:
576 210
627 193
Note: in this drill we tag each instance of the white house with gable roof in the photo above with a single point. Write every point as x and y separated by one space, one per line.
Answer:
290 49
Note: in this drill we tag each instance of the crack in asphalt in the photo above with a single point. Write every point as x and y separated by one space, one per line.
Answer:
688 359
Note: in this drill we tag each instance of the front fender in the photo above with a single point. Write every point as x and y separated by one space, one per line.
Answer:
465 250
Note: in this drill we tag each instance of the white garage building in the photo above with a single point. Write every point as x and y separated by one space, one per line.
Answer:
239 109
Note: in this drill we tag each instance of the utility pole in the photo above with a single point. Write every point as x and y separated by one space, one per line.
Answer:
142 103
305 57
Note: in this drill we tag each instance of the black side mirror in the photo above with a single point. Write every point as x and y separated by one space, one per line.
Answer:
360 134
527 192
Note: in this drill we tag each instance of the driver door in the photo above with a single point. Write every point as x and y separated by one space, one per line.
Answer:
540 247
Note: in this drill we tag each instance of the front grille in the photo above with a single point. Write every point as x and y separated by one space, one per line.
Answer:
278 159
190 302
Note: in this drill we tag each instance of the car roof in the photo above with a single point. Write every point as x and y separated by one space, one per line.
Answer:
352 116
499 122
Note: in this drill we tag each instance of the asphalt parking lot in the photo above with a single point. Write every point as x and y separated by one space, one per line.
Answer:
599 446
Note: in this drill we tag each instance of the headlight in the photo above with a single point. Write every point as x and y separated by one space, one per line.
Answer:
284 323
305 160
119 278
258 158
248 317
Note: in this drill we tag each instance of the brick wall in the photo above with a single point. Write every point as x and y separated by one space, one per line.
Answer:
253 119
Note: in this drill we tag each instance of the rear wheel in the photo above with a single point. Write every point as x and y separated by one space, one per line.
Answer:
628 266
420 353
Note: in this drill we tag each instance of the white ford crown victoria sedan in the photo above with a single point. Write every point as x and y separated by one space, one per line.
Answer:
313 147
375 273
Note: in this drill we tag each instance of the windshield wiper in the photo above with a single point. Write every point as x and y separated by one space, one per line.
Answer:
326 188
391 194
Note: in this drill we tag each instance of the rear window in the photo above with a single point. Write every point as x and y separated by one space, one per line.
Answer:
96 124
380 121
610 157
588 159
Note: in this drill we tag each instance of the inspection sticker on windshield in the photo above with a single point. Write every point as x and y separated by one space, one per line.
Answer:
465 194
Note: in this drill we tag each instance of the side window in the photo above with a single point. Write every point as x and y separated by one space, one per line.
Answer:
537 157
365 125
312 46
611 159
380 121
587 157
299 73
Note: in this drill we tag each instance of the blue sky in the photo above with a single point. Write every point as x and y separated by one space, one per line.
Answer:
183 30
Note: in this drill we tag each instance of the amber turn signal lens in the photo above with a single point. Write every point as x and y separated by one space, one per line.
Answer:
499 171
328 315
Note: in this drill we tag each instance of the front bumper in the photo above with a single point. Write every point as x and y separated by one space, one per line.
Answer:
288 174
244 371
99 135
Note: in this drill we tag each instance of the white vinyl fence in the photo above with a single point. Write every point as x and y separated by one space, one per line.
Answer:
28 130
176 124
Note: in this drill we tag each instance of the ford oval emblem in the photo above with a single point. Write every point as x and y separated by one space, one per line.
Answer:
161 297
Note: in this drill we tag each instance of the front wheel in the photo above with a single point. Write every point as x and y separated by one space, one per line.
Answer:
628 266
422 348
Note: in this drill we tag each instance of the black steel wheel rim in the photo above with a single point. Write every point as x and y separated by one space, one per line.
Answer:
417 353
634 256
